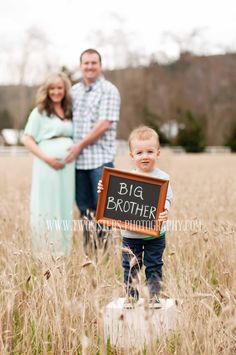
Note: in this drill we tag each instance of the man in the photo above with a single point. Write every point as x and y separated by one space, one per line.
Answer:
96 107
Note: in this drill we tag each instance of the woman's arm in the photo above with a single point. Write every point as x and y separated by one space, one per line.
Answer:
30 143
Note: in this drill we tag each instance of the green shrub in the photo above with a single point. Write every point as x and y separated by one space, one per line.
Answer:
192 136
231 141
152 120
6 120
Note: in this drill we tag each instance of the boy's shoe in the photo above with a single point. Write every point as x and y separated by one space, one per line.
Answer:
155 302
130 302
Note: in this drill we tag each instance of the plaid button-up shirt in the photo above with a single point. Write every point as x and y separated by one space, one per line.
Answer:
100 101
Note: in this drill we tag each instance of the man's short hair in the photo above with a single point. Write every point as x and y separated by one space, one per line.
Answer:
91 51
143 133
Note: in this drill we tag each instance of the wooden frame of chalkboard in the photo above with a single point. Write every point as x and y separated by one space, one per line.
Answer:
131 201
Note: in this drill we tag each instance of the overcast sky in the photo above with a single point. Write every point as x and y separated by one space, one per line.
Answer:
122 30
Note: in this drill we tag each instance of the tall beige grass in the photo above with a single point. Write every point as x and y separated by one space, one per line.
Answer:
56 306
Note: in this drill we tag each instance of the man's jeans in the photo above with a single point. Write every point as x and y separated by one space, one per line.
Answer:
86 183
150 253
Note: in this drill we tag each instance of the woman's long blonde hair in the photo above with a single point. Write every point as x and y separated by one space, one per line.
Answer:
43 101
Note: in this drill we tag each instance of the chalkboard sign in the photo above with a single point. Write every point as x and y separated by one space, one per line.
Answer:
131 201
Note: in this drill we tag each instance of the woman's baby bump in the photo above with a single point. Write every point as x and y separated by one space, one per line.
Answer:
56 147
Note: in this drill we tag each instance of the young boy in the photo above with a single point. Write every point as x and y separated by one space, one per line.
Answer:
145 150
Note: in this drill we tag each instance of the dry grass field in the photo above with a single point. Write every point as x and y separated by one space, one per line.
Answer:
56 306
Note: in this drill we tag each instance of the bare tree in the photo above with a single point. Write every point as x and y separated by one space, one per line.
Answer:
185 42
117 44
32 67
36 43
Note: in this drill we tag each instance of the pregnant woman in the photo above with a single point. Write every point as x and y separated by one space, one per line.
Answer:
48 135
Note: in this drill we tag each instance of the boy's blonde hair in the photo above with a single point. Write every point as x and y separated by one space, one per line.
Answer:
143 133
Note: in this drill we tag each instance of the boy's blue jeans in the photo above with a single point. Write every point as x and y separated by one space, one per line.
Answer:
150 253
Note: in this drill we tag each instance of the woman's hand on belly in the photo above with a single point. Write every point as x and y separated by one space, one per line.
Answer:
55 163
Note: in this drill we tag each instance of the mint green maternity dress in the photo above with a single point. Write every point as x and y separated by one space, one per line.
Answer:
52 191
